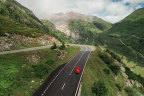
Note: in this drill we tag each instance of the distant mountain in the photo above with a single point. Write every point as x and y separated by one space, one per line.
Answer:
79 26
127 37
56 33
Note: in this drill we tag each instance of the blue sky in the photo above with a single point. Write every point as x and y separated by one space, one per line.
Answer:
109 10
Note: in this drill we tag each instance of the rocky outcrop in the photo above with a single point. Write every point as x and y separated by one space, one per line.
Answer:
14 41
61 22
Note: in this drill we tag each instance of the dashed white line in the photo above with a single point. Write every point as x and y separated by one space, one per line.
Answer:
58 74
63 86
77 62
82 74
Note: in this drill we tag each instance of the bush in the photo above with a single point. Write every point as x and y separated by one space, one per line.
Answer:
109 61
40 70
62 47
119 87
49 62
133 76
54 46
105 58
132 92
99 88
115 68
106 71
115 56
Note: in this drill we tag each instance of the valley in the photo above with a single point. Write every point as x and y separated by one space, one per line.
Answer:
33 50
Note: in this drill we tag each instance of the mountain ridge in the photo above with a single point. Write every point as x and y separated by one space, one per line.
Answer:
128 32
62 22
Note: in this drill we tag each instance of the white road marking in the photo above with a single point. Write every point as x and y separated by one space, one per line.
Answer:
82 75
77 62
63 86
58 74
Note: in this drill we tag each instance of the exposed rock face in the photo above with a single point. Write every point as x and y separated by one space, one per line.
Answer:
6 43
61 22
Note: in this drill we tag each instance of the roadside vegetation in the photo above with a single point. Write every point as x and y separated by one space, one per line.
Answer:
22 73
103 76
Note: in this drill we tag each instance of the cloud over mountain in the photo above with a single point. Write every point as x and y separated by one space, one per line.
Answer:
110 10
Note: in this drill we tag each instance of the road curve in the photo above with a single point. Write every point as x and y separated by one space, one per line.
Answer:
63 81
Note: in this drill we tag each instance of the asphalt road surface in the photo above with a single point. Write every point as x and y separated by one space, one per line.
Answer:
63 81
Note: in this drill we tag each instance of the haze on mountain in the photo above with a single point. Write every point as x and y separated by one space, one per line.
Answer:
109 10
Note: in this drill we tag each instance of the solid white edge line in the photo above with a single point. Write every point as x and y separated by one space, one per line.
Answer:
59 73
78 61
82 75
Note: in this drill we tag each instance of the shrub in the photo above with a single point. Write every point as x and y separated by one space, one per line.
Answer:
54 46
105 58
40 70
106 71
115 68
49 62
62 47
115 56
119 87
99 88
109 61
133 76
132 92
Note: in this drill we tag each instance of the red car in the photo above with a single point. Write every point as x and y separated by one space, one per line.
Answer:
78 69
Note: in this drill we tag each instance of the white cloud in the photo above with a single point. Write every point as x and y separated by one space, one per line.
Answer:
106 9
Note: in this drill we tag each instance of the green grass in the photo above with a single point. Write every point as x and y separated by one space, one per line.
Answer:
17 72
11 27
133 66
94 72
125 30
19 13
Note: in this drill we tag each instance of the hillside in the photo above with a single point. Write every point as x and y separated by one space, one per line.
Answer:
22 73
78 26
56 33
16 21
105 75
19 13
127 38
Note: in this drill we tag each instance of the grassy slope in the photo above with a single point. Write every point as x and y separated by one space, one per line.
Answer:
17 72
125 30
9 26
94 72
25 22
102 24
19 13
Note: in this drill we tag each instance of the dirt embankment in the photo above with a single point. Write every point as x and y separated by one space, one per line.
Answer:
15 41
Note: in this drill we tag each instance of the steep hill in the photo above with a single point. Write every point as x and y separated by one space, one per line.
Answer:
127 37
19 13
16 20
79 26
